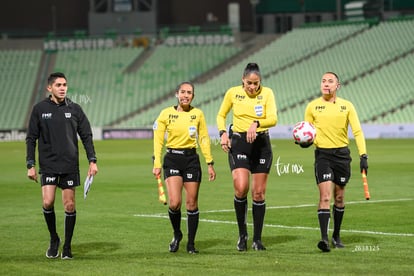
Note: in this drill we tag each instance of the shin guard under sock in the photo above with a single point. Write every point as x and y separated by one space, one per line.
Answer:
70 221
324 216
50 218
192 225
175 219
259 209
240 206
338 214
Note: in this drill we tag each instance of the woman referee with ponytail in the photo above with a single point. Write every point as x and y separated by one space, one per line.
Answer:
249 149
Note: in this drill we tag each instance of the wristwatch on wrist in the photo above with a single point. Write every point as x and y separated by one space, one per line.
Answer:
221 132
30 164
210 163
257 122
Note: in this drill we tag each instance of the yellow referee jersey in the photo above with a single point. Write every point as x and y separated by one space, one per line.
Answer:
247 109
183 129
331 120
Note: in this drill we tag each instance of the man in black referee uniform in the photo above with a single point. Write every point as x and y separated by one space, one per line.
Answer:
56 123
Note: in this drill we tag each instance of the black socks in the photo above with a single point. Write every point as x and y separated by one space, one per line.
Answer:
259 209
324 216
70 221
240 206
50 218
338 214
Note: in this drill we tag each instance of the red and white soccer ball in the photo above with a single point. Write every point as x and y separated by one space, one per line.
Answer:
304 132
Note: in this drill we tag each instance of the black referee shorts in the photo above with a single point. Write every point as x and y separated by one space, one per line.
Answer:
256 157
333 164
184 163
63 181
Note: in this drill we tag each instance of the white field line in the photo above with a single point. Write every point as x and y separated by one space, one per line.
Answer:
314 205
297 227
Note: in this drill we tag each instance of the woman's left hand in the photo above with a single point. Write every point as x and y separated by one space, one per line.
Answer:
251 133
211 173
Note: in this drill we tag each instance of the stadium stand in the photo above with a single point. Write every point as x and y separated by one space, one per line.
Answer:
281 54
99 76
366 63
374 62
95 79
391 92
276 55
17 81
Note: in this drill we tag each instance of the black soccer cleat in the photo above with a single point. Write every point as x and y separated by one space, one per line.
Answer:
242 243
53 250
175 243
258 246
337 243
324 246
191 249
67 253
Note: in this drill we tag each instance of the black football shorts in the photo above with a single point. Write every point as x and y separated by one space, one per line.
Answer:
333 165
257 157
186 166
63 181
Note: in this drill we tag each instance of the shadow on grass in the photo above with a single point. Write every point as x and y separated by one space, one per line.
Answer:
89 249
357 239
280 239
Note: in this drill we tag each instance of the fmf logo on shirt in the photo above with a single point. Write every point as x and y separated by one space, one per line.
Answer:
46 116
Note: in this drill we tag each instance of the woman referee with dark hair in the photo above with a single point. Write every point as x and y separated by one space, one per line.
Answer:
249 149
184 125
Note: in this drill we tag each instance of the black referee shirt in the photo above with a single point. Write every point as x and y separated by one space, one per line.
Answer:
56 128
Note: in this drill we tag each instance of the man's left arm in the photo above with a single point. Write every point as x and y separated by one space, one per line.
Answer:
86 136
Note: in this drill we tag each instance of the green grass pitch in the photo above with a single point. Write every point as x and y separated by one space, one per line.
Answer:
122 228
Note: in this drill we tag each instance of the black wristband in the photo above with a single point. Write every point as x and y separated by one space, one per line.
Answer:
258 123
210 163
92 160
221 132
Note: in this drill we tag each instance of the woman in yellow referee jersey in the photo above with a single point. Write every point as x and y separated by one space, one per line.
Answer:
331 117
184 125
248 147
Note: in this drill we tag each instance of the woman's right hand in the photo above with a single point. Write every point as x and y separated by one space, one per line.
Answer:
156 172
225 142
